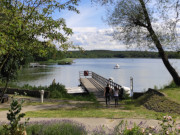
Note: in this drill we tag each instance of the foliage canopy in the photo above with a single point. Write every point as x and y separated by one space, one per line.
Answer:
23 23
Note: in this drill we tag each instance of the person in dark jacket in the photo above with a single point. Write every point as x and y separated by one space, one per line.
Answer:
107 92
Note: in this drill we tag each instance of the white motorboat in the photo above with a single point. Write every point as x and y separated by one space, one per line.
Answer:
116 67
127 90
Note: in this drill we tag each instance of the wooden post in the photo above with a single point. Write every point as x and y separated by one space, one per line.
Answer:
42 95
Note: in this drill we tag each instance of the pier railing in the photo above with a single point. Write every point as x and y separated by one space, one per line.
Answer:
103 81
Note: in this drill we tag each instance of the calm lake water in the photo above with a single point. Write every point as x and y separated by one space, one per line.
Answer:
146 72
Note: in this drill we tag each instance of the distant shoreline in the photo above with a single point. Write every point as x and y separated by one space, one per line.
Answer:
118 54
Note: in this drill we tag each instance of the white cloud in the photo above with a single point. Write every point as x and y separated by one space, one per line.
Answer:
84 29
91 38
90 32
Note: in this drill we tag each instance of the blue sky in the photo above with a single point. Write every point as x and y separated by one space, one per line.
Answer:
90 15
90 31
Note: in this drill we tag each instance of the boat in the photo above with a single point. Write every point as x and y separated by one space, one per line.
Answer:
116 67
127 90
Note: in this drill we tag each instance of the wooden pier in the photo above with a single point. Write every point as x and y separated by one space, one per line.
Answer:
95 83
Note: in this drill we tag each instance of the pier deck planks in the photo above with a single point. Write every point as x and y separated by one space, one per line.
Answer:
92 88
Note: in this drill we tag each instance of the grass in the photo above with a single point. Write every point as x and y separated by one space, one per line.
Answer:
65 61
154 100
97 113
39 103
48 62
4 109
129 110
172 94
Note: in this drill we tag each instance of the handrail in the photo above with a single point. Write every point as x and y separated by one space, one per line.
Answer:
103 81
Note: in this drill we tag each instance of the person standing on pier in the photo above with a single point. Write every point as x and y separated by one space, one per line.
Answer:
107 91
116 95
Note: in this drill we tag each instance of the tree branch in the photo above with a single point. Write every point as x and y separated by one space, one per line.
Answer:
139 23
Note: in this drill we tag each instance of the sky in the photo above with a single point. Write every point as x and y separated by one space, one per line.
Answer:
90 31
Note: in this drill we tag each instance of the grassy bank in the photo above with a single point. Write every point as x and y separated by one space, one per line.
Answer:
139 112
59 62
172 94
66 61
159 103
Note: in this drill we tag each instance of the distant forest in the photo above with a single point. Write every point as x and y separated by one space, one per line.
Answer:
117 54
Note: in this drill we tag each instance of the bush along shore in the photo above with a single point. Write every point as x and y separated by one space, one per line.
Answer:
65 61
55 90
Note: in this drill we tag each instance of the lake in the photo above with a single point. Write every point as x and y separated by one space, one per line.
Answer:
146 73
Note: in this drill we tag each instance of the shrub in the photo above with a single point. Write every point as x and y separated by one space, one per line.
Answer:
53 127
29 87
57 91
66 61
56 94
14 116
171 85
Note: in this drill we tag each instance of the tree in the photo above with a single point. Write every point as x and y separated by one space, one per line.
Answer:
23 23
45 51
151 24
